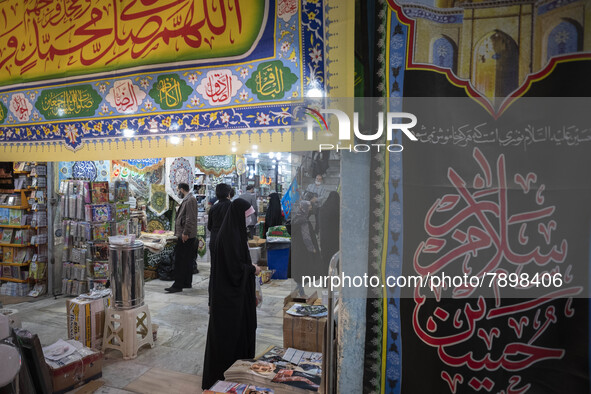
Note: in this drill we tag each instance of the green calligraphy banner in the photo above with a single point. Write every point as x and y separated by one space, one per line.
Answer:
68 102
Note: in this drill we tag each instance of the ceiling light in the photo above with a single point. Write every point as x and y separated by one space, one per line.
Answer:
128 133
315 92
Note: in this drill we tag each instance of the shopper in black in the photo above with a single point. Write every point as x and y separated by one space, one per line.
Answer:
231 333
214 223
273 216
329 229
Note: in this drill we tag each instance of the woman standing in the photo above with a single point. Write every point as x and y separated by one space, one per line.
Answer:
232 326
305 253
216 216
274 215
329 229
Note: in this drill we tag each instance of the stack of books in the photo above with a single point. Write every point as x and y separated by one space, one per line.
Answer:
14 289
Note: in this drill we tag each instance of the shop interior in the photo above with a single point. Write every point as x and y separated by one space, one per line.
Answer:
58 219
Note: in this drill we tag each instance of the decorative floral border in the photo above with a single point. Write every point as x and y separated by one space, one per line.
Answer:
148 121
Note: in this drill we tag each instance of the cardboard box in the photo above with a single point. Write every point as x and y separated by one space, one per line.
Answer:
256 242
295 297
86 321
303 332
76 369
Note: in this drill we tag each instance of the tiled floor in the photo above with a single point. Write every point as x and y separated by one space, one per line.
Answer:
175 363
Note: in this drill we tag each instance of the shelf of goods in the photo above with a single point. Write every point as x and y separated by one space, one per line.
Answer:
23 227
91 212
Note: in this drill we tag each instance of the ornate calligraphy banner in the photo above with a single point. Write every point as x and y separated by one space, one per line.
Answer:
158 199
68 102
489 201
142 166
96 171
140 174
216 165
243 79
51 39
179 170
498 208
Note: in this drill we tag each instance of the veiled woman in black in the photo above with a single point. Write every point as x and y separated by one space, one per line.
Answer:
232 326
305 253
329 229
216 216
273 217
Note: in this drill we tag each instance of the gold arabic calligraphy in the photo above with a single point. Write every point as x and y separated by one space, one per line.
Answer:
67 102
170 92
270 81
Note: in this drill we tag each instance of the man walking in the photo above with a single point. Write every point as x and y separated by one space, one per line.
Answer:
185 230
251 197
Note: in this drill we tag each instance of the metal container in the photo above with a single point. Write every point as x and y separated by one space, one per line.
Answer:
126 265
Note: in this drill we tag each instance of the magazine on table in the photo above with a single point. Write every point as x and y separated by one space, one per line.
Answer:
283 370
237 388
298 379
308 310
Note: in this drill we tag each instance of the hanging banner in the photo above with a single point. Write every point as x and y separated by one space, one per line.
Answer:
489 202
216 165
179 170
48 40
158 199
119 90
140 174
94 171
240 165
141 166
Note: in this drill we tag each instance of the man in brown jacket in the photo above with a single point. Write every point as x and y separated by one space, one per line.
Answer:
186 230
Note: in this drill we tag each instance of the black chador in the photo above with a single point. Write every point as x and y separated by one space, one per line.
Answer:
232 327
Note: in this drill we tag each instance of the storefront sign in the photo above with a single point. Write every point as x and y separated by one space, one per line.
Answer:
175 72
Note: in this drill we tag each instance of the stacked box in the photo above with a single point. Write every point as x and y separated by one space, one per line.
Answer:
303 332
86 320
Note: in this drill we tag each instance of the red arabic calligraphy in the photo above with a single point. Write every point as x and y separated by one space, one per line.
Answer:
21 107
475 239
219 86
480 229
101 31
125 96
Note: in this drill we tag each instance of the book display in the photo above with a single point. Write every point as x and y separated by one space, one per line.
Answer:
91 213
75 204
21 236
39 227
